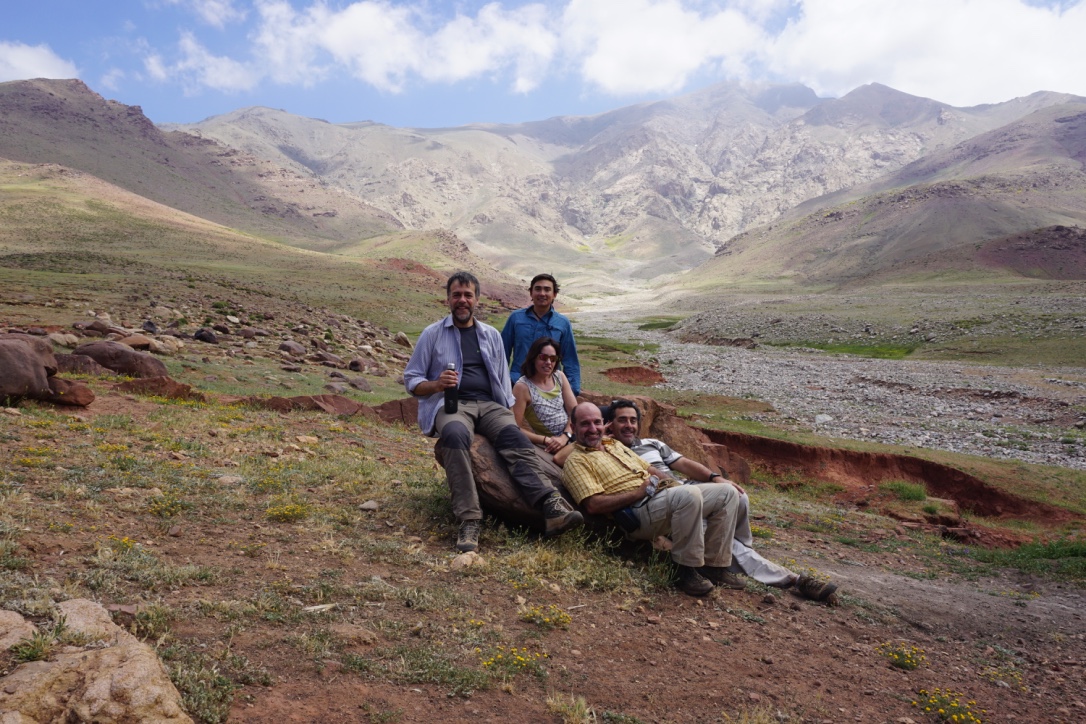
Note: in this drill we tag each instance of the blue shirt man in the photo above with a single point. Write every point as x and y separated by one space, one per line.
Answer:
525 326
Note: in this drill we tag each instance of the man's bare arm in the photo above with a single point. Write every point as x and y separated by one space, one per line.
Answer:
604 503
696 471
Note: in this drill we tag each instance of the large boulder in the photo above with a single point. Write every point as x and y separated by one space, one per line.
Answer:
123 359
405 410
497 493
26 364
292 348
81 364
114 679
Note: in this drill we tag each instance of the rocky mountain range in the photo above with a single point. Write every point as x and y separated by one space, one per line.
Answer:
771 180
642 190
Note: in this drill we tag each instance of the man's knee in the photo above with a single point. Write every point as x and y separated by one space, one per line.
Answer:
510 437
686 495
456 436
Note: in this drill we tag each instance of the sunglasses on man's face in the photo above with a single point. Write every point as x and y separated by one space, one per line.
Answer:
548 357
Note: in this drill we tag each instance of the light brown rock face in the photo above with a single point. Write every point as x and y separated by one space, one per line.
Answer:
116 680
13 628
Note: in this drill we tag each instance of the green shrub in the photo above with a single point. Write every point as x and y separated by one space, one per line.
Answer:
904 490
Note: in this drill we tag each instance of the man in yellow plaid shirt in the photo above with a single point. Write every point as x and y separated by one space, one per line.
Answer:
607 478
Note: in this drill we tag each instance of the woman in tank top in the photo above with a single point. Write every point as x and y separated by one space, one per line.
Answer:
544 398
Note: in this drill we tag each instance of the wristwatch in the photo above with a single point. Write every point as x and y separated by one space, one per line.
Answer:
714 476
569 436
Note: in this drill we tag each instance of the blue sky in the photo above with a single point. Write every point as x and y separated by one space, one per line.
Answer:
431 63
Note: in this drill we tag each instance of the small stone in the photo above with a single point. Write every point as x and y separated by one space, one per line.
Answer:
126 608
466 560
370 505
175 531
307 439
232 319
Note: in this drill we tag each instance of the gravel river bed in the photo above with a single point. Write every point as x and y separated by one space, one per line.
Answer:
1033 414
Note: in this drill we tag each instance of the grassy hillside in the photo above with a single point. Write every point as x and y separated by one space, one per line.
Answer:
66 123
61 230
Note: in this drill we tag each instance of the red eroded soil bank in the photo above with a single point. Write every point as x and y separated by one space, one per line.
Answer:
851 468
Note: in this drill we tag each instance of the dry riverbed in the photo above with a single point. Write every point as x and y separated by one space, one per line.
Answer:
1032 414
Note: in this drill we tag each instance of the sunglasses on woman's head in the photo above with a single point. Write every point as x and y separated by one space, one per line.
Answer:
548 357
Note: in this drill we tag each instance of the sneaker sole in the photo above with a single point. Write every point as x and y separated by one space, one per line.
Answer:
570 520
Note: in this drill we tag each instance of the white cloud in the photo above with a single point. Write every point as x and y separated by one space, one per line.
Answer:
385 45
21 62
496 38
155 67
111 79
375 41
286 44
200 68
217 13
639 46
961 52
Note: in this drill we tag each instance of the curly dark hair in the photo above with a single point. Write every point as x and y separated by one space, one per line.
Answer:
611 410
528 368
462 278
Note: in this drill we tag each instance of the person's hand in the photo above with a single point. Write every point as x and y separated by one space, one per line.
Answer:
448 379
554 444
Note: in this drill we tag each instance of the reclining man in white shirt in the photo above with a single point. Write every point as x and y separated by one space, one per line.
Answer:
625 426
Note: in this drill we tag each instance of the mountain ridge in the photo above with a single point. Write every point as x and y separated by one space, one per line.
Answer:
638 193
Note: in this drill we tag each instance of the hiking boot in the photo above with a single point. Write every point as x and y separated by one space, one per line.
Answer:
722 577
559 515
814 589
693 583
468 538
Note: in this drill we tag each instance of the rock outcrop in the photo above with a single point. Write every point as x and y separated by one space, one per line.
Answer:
28 368
113 679
123 359
26 364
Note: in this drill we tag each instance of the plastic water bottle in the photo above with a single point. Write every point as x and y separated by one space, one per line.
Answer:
452 394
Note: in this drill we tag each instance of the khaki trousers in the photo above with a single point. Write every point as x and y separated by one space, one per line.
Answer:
680 512
497 424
